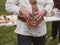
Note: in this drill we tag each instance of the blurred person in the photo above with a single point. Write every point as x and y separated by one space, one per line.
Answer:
55 24
25 9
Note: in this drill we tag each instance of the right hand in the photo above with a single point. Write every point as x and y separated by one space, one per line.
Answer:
26 14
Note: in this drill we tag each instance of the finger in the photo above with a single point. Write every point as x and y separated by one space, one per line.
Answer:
28 14
41 15
39 21
29 23
37 17
25 17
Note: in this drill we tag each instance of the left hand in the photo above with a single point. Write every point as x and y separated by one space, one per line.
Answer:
40 15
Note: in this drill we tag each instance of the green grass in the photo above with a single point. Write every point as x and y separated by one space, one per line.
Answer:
2 7
55 42
7 35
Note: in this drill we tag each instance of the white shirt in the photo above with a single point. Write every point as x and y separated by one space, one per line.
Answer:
14 6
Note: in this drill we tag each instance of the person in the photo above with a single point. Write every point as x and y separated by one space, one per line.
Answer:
27 32
55 24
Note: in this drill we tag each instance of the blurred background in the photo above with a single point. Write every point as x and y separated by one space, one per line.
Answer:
7 35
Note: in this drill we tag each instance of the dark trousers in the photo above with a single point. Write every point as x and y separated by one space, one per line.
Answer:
29 40
56 29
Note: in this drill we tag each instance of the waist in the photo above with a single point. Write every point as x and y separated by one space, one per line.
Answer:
21 18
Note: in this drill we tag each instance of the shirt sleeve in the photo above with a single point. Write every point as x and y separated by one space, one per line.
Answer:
12 6
49 6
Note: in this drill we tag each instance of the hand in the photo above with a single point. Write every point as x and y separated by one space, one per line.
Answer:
26 14
40 15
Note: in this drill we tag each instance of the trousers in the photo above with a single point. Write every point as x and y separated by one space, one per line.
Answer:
56 29
29 40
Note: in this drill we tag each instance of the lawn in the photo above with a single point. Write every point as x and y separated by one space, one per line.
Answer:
7 35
